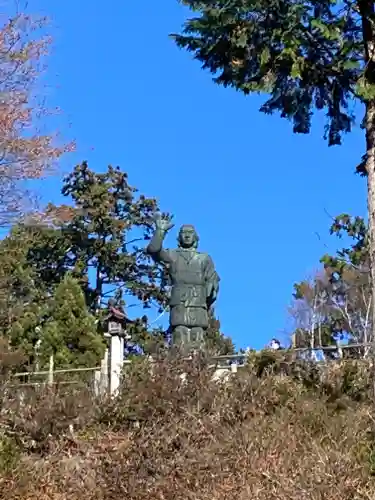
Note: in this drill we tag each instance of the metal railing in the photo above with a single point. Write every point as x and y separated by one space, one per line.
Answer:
228 362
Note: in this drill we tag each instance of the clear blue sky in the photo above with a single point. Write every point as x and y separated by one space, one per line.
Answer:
256 193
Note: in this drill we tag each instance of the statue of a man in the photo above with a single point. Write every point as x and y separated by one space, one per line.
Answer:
194 282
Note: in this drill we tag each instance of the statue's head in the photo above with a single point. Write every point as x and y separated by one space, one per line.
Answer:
187 237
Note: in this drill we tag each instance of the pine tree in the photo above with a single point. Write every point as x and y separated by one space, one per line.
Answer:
71 334
100 239
56 316
23 304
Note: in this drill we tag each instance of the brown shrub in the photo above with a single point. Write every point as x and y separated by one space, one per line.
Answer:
275 436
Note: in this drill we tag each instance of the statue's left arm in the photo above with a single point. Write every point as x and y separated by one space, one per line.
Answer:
212 281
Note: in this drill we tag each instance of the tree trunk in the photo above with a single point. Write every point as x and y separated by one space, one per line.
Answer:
370 168
98 290
366 8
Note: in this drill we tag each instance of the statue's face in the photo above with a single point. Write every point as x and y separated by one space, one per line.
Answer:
187 236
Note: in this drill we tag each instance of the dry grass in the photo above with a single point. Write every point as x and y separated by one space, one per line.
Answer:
287 432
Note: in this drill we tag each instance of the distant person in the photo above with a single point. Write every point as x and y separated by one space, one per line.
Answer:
275 345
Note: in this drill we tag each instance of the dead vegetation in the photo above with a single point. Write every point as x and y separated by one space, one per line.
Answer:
287 431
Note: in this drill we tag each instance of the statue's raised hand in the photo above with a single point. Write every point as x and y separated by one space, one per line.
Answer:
163 222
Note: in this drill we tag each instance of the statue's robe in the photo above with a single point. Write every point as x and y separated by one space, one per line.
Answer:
194 285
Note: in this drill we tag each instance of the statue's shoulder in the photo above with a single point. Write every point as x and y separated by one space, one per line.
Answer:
204 255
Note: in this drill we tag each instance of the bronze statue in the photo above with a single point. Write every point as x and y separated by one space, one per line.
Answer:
194 282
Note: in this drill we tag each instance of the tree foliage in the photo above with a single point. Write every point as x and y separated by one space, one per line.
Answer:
96 244
25 152
337 301
99 238
70 333
216 341
305 54
315 321
22 302
32 313
356 255
308 56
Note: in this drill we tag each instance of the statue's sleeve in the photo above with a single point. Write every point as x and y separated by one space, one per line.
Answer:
156 250
212 279
210 272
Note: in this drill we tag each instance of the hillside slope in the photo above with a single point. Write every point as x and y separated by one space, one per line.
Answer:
281 432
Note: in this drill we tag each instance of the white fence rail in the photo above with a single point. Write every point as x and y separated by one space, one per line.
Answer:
105 378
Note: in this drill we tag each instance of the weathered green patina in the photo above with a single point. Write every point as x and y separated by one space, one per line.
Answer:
194 282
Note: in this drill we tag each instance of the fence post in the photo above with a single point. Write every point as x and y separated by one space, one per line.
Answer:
233 367
339 349
50 370
97 378
37 351
104 374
